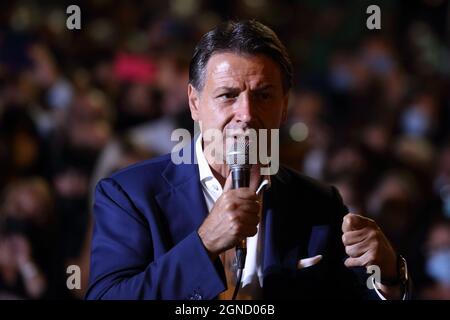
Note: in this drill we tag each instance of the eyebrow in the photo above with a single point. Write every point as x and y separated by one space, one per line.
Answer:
228 89
265 87
234 89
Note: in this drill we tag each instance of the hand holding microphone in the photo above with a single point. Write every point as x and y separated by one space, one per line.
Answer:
234 216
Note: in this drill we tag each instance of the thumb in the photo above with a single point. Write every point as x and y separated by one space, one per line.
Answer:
228 183
353 221
255 177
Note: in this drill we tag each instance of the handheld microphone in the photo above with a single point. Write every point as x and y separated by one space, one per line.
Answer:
238 161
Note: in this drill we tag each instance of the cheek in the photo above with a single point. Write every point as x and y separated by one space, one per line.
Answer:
214 117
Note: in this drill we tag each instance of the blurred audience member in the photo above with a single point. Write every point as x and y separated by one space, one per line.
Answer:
27 240
438 261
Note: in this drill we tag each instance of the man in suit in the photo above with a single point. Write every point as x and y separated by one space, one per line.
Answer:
168 231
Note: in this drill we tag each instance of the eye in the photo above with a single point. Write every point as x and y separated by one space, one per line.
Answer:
264 95
227 96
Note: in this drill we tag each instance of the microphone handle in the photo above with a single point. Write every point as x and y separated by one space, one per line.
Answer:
240 179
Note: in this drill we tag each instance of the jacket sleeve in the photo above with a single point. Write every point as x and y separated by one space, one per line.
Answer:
123 263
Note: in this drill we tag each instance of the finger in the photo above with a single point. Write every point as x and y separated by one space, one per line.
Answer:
353 262
243 207
250 231
357 249
360 261
255 177
244 194
247 231
353 222
251 208
352 237
233 199
249 218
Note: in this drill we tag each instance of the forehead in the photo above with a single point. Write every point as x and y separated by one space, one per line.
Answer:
235 68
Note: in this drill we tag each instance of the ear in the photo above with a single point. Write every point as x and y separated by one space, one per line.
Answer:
285 107
193 97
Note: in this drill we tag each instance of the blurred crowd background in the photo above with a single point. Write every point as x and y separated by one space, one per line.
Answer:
369 113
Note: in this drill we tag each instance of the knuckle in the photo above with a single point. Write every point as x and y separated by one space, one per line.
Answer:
377 233
372 234
352 218
250 195
235 229
348 250
344 238
230 206
347 220
232 217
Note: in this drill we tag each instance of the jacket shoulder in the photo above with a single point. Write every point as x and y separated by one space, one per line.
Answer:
144 175
156 164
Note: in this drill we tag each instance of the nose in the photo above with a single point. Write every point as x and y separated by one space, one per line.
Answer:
244 109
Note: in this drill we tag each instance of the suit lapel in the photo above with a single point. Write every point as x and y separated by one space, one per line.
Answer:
283 234
272 217
182 202
271 256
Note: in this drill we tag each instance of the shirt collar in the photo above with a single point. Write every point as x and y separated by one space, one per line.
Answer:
203 166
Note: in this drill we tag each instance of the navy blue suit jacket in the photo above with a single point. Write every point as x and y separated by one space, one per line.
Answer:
145 243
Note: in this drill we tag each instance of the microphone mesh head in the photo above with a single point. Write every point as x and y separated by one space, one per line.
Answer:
238 152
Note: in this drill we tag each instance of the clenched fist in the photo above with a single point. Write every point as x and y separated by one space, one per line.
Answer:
365 244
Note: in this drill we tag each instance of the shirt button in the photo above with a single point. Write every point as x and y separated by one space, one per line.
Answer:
215 187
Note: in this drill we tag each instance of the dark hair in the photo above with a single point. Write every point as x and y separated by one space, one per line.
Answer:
245 37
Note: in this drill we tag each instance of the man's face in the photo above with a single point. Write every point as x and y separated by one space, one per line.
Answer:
240 92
